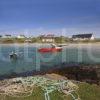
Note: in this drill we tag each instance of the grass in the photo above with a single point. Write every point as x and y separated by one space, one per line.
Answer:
89 92
37 94
86 92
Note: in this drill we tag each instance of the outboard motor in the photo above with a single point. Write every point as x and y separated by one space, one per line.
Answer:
53 45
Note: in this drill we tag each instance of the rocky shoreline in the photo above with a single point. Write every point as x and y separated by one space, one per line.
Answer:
80 72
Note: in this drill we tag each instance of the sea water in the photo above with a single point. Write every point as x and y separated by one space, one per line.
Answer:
29 59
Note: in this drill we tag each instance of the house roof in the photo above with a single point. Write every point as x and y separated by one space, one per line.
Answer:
22 35
7 35
82 36
47 36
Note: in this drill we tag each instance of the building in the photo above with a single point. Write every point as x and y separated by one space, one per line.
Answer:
83 37
7 36
47 38
28 41
21 37
0 36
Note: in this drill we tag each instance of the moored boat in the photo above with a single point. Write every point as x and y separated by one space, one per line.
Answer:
56 49
13 55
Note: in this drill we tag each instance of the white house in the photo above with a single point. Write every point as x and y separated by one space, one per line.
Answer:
0 36
28 41
47 38
83 37
7 36
21 36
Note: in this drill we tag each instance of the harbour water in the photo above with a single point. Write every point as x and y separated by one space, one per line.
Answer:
29 59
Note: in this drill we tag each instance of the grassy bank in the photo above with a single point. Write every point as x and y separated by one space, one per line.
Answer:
38 94
89 92
85 92
57 40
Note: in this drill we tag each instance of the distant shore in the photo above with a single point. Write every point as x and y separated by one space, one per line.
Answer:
68 45
79 46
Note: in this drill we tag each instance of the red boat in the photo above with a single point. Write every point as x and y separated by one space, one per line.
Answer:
57 49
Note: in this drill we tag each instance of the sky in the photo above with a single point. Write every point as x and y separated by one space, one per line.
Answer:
60 17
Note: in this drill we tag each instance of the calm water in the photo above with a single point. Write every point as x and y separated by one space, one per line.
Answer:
30 59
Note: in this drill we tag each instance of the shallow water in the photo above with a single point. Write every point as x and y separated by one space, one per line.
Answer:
30 59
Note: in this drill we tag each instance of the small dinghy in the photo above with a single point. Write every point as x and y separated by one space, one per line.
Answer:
13 55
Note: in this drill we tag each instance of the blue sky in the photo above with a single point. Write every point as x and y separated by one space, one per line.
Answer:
49 16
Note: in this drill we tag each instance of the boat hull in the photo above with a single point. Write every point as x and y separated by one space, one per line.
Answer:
50 50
